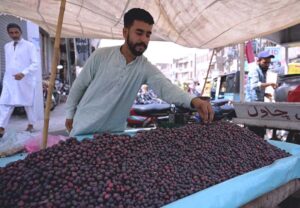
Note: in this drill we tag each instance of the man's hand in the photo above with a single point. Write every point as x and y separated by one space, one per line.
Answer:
265 85
274 85
204 109
19 76
268 95
69 124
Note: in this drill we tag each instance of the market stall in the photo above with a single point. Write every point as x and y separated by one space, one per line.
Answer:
205 30
200 24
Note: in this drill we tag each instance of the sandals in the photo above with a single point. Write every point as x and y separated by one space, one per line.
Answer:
2 131
30 128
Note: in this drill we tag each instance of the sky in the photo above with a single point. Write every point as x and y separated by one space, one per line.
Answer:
158 51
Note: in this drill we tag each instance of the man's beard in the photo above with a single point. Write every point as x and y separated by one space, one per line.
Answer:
15 38
264 69
132 47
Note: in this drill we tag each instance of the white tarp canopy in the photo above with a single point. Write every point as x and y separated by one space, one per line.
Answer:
192 23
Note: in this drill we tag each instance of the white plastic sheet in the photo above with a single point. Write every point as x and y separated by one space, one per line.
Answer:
13 142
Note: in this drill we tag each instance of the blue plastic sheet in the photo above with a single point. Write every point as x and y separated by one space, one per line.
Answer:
5 160
234 192
291 148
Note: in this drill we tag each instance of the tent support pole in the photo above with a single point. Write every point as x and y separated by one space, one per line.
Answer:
208 70
242 71
53 72
286 71
68 74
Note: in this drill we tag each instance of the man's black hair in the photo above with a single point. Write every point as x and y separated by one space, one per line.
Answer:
137 14
13 25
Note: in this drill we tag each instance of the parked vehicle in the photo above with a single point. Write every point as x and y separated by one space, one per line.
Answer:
286 84
164 114
226 87
148 115
289 91
45 94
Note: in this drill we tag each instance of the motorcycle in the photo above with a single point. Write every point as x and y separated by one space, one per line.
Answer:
59 93
169 115
148 115
54 100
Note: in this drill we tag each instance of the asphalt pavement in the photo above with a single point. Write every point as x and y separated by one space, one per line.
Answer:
56 123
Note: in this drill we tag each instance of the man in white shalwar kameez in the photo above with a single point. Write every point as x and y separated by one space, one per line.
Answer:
22 80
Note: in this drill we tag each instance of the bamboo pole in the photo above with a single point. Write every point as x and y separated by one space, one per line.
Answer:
53 71
208 70
242 71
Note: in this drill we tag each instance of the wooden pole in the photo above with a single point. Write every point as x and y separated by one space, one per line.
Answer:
208 70
68 61
242 72
53 71
286 68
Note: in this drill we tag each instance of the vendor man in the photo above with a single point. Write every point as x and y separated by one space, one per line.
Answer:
103 93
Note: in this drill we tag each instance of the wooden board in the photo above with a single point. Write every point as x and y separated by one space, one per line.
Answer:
275 197
287 125
273 115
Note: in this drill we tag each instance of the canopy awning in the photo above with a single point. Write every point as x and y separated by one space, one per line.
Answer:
288 37
192 23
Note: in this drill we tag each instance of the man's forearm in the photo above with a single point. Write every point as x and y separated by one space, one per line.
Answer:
74 97
264 85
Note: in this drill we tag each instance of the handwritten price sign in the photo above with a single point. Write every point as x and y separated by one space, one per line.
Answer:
269 111
262 112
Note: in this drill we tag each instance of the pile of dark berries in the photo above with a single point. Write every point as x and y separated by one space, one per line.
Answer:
151 169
